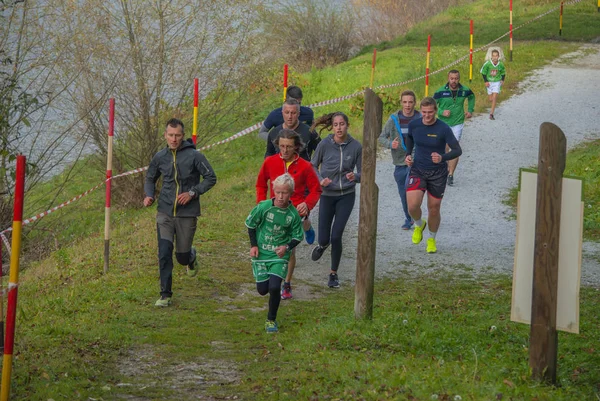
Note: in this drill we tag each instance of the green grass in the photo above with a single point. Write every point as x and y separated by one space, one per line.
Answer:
85 335
583 162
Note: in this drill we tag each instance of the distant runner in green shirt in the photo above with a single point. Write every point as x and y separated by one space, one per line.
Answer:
450 99
274 228
494 73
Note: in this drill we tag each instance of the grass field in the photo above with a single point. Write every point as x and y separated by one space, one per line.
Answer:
83 335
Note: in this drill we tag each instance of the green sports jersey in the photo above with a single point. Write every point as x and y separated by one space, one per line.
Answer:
493 73
455 102
274 227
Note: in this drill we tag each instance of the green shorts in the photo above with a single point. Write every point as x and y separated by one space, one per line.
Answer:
263 268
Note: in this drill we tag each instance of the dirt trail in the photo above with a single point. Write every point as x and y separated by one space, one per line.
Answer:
476 228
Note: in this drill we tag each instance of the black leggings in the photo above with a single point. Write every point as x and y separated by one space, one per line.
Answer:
273 287
334 212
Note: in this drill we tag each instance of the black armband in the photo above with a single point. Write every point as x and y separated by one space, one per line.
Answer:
293 243
252 235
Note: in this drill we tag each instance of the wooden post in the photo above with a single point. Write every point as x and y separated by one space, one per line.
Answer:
543 339
369 198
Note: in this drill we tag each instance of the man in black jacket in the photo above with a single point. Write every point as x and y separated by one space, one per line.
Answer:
181 166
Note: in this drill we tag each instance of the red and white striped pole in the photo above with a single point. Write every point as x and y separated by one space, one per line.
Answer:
13 282
285 81
195 128
511 31
427 66
111 128
373 67
471 52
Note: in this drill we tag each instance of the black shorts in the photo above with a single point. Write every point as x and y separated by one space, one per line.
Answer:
432 181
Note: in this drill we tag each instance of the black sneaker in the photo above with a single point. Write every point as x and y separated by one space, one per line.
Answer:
333 281
451 180
317 252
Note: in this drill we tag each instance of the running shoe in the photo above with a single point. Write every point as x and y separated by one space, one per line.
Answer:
310 236
418 233
492 117
163 301
333 281
431 248
451 180
407 224
271 326
192 268
286 291
317 252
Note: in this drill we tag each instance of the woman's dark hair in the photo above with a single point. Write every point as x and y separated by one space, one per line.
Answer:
326 121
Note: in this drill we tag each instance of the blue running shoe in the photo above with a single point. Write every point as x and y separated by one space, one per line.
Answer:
310 236
407 224
271 326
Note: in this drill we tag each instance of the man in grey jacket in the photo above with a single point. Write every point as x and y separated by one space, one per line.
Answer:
393 137
181 167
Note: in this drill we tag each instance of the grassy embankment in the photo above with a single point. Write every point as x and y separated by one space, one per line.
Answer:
82 334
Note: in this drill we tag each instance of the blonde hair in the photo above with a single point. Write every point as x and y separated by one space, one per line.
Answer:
285 179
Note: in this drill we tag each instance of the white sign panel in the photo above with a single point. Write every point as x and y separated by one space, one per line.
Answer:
569 259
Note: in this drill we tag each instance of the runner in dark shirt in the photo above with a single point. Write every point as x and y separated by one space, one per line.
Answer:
425 153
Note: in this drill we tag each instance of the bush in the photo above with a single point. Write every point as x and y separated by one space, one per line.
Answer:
309 33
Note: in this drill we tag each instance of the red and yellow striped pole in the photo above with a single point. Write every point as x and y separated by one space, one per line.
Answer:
285 81
373 67
195 128
13 282
560 19
511 31
111 127
471 52
1 303
427 66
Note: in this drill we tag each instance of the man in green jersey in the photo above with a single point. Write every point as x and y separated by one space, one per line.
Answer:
274 228
450 99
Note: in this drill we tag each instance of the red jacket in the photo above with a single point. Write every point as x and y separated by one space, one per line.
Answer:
304 177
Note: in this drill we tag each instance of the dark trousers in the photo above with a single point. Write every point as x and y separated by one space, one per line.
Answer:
273 287
178 230
334 212
401 175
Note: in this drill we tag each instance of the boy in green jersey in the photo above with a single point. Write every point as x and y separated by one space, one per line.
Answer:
274 228
494 73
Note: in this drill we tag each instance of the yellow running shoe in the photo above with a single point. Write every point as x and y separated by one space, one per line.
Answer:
418 233
431 248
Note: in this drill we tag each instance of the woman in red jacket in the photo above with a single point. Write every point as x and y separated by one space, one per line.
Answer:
307 190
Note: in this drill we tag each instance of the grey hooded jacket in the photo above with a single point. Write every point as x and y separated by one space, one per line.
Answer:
181 170
332 160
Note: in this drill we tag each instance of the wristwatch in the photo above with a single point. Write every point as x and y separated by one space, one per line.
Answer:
192 193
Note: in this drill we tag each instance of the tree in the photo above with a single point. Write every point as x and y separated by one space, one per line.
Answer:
146 55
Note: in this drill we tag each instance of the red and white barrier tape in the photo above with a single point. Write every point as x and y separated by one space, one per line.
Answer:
6 242
256 126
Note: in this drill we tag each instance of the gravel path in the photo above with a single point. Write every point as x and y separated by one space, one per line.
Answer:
476 228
